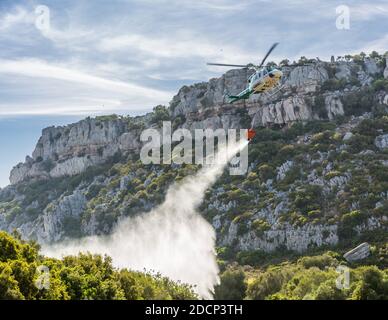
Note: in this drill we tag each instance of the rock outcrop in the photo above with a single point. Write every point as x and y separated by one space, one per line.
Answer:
381 142
295 239
360 252
69 150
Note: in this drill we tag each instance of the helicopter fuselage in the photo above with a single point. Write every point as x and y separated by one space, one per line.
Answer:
261 81
264 80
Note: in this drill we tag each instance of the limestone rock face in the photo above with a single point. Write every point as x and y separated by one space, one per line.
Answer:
69 150
204 95
83 137
334 106
204 105
284 111
344 71
73 166
283 169
386 68
63 213
302 75
55 218
293 238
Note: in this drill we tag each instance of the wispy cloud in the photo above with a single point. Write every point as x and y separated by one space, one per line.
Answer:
17 16
139 52
74 90
379 45
368 11
182 46
41 69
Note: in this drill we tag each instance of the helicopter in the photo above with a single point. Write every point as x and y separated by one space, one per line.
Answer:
262 80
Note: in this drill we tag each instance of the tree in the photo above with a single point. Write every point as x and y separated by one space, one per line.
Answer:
232 286
284 63
160 114
374 55
372 284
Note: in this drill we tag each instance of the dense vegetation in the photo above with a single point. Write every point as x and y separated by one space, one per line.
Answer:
309 277
82 277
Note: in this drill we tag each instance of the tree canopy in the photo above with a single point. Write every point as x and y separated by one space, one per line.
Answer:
25 274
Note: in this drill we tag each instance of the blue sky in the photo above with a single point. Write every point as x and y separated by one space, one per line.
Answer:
126 56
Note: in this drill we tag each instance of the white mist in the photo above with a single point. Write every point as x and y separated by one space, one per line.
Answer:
172 239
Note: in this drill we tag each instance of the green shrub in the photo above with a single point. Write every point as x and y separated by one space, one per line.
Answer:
357 103
253 257
266 172
232 286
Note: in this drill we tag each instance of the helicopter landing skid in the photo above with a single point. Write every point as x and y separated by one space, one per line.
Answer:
275 90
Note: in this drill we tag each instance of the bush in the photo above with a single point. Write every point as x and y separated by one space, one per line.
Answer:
380 84
334 84
319 107
85 276
357 103
253 257
314 278
266 172
307 199
232 286
260 226
321 262
160 114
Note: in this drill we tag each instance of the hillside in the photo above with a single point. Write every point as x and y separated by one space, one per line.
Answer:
317 179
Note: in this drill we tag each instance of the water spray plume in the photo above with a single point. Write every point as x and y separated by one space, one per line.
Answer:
172 239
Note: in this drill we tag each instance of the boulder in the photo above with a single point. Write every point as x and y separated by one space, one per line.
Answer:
381 142
347 136
371 66
358 253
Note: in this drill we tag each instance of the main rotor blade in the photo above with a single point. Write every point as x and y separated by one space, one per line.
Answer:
227 65
268 53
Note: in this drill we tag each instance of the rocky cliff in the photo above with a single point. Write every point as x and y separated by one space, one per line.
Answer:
319 162
69 150
309 92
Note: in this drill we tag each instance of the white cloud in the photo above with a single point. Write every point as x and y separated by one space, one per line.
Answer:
41 69
380 45
17 16
368 11
213 5
181 46
62 90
